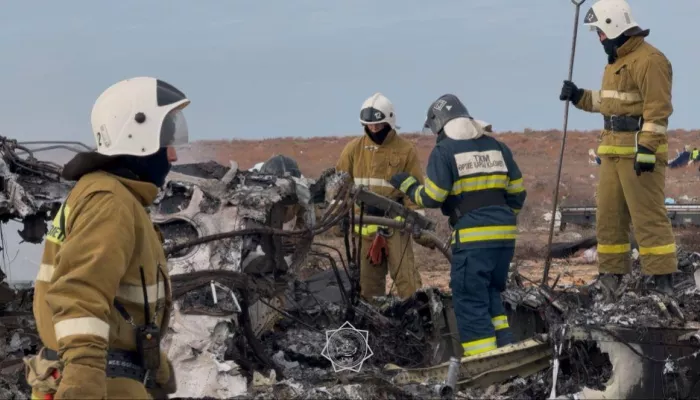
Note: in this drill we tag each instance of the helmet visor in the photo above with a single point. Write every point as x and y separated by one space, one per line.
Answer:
173 131
371 115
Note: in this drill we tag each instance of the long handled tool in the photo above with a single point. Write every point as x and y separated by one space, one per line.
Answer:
555 200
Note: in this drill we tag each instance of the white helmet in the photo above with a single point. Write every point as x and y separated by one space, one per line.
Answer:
612 17
377 109
138 116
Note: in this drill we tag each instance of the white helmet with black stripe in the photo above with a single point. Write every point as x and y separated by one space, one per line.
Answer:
377 109
612 17
139 116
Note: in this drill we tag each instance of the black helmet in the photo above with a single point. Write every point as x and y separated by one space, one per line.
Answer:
442 111
280 165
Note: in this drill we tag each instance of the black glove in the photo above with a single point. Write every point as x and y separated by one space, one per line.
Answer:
571 92
372 211
644 160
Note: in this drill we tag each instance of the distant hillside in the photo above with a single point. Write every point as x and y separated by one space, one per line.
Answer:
536 152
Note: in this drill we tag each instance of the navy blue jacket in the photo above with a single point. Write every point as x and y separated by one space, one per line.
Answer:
480 171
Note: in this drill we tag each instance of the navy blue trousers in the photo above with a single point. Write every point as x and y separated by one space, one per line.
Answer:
478 276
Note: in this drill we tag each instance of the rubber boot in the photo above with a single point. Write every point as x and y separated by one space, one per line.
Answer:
504 337
609 285
663 284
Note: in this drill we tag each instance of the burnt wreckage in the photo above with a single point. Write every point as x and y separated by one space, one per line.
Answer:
252 319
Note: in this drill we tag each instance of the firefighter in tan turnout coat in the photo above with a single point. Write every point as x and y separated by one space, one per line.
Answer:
372 160
103 252
635 100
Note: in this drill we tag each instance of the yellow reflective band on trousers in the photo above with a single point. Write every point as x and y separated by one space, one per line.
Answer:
626 150
486 233
614 248
369 230
658 250
479 346
476 183
625 200
500 322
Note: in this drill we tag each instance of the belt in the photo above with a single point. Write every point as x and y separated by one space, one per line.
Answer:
476 200
120 364
617 123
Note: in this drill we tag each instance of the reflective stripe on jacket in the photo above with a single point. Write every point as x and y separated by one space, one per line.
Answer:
92 254
637 84
464 165
373 165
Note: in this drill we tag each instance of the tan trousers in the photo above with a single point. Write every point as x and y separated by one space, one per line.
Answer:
623 197
403 270
117 388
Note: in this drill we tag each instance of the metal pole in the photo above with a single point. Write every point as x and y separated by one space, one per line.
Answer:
555 200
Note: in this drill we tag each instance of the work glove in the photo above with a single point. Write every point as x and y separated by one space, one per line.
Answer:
398 180
378 247
571 92
644 160
81 382
424 241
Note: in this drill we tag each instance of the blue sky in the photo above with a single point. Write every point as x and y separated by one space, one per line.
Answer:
267 68
259 69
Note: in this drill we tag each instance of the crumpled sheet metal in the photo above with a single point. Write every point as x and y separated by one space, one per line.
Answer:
225 254
196 347
210 206
25 195
627 371
248 198
17 337
196 342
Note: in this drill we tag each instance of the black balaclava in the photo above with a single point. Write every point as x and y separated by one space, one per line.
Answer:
152 169
380 136
611 45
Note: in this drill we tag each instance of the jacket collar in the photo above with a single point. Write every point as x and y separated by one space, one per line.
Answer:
630 45
389 137
145 192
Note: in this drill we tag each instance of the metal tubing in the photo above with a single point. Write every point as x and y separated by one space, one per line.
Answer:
555 200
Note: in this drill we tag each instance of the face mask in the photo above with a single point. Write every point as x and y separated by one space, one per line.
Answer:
153 168
379 137
612 45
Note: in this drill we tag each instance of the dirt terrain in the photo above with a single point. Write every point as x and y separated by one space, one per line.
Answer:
536 152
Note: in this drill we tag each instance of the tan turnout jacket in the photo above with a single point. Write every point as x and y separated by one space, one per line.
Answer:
638 83
95 258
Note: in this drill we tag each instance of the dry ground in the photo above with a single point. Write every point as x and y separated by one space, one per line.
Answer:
536 152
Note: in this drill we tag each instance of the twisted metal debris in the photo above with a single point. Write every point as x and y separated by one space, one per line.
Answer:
247 324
